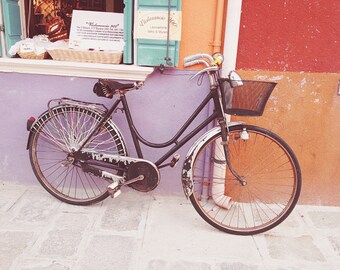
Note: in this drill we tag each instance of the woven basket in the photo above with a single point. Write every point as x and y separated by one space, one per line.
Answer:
32 55
248 99
102 57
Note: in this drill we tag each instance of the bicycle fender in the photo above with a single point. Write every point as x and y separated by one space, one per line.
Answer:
190 157
28 140
30 128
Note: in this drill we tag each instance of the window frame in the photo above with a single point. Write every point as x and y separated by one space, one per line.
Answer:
65 68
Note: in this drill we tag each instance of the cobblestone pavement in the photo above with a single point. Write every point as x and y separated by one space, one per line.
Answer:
151 231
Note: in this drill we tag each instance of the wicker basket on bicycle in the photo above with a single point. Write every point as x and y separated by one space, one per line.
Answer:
248 99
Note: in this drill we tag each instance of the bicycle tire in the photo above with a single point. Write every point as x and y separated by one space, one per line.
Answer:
55 134
273 181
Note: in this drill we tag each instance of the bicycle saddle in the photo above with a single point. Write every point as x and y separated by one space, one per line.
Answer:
107 88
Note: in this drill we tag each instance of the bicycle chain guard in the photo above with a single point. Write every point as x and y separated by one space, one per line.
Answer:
134 167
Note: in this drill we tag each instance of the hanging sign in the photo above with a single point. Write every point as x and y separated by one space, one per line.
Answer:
154 25
97 30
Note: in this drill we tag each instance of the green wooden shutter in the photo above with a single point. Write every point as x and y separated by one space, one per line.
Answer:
153 52
12 22
128 13
0 46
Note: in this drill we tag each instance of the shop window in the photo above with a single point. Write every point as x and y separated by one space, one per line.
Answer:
42 13
53 18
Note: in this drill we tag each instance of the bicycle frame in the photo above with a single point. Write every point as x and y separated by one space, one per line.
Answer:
137 138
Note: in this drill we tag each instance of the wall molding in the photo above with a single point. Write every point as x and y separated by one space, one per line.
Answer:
75 69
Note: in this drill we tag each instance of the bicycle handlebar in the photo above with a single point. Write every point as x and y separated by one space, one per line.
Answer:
197 56
212 64
195 62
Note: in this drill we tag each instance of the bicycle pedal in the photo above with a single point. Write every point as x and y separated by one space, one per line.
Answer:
114 190
114 193
174 160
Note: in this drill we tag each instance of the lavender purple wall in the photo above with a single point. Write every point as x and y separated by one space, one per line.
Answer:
159 109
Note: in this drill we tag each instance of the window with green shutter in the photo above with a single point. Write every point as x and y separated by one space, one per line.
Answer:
149 51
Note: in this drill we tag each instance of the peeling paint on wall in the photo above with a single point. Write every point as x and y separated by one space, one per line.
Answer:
269 78
304 110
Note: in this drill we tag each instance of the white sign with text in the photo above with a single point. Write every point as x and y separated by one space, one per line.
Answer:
97 31
154 25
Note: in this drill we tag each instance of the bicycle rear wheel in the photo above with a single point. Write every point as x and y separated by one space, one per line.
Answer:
272 181
56 134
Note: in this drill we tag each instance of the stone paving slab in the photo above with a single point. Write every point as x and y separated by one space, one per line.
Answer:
12 244
294 248
185 234
149 231
109 252
335 242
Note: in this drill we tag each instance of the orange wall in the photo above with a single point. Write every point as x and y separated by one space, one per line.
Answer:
304 110
198 27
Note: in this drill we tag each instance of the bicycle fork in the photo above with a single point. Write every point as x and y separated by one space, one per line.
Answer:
225 142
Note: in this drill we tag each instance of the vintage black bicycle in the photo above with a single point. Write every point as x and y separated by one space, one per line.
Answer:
242 179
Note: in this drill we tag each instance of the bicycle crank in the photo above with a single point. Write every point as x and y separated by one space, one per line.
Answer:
142 176
150 175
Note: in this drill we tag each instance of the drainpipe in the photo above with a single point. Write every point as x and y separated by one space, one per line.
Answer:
217 43
232 28
216 47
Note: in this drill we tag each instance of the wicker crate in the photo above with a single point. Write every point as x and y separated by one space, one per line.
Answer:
32 55
248 99
103 57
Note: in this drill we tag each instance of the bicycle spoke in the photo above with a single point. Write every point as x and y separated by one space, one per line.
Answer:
60 131
270 182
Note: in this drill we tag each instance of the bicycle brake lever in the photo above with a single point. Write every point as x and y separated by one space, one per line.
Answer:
208 69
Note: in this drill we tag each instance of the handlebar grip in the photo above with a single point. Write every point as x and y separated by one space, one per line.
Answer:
198 56
191 63
192 57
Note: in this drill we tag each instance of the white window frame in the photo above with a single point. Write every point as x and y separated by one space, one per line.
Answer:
65 68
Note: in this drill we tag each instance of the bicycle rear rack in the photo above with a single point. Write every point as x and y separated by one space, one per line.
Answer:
78 103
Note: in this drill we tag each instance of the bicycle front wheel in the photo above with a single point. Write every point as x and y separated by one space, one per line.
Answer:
56 134
271 178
